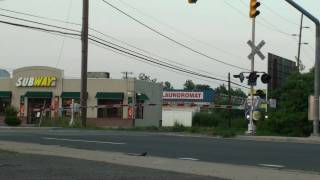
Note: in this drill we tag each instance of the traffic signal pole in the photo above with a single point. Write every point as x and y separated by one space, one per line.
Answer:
84 61
317 65
251 126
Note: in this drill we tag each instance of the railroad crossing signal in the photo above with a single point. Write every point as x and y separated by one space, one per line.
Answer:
256 49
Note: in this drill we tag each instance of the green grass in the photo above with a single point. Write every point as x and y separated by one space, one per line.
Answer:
7 152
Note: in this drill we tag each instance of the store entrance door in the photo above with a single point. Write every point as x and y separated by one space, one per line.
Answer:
35 109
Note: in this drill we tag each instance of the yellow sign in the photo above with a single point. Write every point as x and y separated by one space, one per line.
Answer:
40 81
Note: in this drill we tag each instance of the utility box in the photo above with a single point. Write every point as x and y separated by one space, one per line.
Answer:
311 108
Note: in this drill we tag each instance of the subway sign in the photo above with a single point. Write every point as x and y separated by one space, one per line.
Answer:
40 81
182 95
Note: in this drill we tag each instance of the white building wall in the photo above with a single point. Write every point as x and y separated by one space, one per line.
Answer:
182 116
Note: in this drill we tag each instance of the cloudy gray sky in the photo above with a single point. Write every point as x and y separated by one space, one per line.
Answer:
219 28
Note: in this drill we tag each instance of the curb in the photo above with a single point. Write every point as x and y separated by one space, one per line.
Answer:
29 128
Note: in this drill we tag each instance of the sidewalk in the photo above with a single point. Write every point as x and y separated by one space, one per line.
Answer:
219 170
306 140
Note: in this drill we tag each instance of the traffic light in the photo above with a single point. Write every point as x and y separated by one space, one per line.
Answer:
192 1
240 76
254 4
252 79
265 78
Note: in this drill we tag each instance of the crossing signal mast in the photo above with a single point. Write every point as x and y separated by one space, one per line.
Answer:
253 13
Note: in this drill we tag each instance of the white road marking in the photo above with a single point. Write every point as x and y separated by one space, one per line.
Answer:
190 159
272 165
82 140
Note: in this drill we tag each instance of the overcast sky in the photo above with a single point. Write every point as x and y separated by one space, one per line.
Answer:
219 28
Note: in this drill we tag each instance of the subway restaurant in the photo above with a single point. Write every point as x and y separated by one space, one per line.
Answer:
43 92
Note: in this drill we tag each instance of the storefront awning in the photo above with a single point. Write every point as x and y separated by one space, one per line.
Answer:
142 97
5 94
109 95
72 95
38 94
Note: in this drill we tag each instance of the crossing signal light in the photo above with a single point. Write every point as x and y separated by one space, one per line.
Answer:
252 79
240 76
261 94
254 4
192 1
265 78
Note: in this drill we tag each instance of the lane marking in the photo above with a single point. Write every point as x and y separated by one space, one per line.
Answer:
272 165
83 140
189 159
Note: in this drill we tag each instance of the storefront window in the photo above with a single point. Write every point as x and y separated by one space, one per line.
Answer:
139 109
110 112
4 103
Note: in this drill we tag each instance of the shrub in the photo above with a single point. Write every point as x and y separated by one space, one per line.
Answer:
11 118
178 127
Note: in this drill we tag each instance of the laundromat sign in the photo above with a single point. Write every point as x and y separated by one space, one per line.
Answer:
182 95
40 81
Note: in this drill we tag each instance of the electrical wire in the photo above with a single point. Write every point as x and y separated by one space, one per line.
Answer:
171 39
108 36
92 38
179 31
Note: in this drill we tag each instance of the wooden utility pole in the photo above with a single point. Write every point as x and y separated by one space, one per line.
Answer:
84 61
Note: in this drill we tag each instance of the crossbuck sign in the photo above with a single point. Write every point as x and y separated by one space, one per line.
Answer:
256 49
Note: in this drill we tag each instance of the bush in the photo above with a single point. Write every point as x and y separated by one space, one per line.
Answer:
178 127
206 119
11 118
288 124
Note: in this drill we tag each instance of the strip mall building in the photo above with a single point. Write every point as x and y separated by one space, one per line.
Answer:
33 88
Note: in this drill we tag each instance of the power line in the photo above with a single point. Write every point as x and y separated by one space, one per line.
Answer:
103 34
171 39
63 40
179 31
166 65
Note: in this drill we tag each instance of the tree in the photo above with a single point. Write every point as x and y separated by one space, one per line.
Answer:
189 85
145 77
291 116
168 86
203 87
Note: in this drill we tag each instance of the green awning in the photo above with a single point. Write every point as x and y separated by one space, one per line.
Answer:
71 95
142 97
130 100
38 94
5 94
109 95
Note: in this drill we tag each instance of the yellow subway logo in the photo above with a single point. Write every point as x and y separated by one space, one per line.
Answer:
40 81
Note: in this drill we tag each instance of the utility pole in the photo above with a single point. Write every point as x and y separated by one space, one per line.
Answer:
317 65
229 99
299 45
84 61
126 74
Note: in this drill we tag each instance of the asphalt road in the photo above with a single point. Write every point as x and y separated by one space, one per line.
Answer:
293 156
32 167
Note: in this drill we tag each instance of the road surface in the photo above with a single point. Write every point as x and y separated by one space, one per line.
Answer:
292 156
